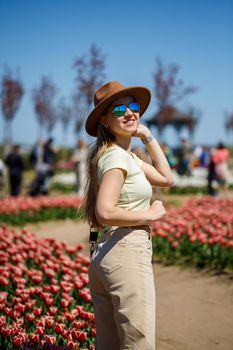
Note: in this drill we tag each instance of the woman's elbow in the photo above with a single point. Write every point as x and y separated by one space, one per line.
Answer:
165 182
102 215
168 181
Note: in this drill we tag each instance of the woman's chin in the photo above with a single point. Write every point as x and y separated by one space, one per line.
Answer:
132 129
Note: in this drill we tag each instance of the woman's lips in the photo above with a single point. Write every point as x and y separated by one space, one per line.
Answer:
129 122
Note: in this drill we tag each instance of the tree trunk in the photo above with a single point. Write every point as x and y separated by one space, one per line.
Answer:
64 143
7 132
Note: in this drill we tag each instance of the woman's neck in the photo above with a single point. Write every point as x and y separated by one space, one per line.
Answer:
124 143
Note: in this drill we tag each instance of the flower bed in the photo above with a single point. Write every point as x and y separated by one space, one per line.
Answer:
20 210
200 232
44 299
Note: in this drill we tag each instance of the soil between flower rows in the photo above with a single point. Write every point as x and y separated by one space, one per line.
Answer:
194 308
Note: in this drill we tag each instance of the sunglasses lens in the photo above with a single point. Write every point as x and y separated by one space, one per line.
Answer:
118 111
134 107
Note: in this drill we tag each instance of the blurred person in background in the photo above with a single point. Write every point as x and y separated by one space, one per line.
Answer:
184 156
37 186
221 158
36 154
43 157
49 162
211 176
168 154
204 157
2 177
15 165
79 158
196 156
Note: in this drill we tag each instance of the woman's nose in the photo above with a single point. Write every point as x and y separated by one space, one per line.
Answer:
128 111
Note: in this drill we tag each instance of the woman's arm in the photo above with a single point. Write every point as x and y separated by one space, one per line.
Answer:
159 173
106 208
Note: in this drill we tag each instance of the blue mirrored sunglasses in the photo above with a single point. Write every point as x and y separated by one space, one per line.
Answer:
119 111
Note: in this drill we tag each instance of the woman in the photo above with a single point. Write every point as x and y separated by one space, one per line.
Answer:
221 158
14 162
118 202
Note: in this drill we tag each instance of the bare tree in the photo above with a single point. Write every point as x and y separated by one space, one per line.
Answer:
168 88
229 122
64 114
89 76
43 98
11 95
51 121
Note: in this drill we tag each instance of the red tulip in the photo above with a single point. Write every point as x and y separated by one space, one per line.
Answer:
37 311
72 345
65 303
5 274
30 304
65 334
77 324
34 338
175 245
54 289
20 307
75 333
49 322
36 279
4 281
17 341
50 339
40 330
3 297
83 337
59 328
2 321
30 317
41 322
53 310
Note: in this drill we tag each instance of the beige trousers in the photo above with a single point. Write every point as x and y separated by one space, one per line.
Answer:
123 291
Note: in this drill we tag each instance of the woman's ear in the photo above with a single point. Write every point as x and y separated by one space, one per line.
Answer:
103 121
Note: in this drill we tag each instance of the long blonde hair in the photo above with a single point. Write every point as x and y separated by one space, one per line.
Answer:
104 140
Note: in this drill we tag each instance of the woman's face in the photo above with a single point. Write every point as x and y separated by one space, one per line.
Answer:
121 125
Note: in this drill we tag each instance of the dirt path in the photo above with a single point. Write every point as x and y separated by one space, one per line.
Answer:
194 309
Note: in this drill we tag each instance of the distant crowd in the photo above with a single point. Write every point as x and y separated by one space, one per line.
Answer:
185 158
43 160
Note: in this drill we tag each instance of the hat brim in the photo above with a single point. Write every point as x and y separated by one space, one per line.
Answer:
141 94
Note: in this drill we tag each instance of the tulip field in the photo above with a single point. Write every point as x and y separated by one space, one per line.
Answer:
200 233
45 302
21 210
44 299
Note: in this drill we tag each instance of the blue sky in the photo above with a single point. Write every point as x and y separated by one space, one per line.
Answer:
43 37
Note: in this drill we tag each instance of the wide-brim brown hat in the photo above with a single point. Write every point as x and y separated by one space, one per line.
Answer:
109 92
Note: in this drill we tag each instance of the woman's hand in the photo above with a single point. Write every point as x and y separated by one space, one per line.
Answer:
142 131
156 211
